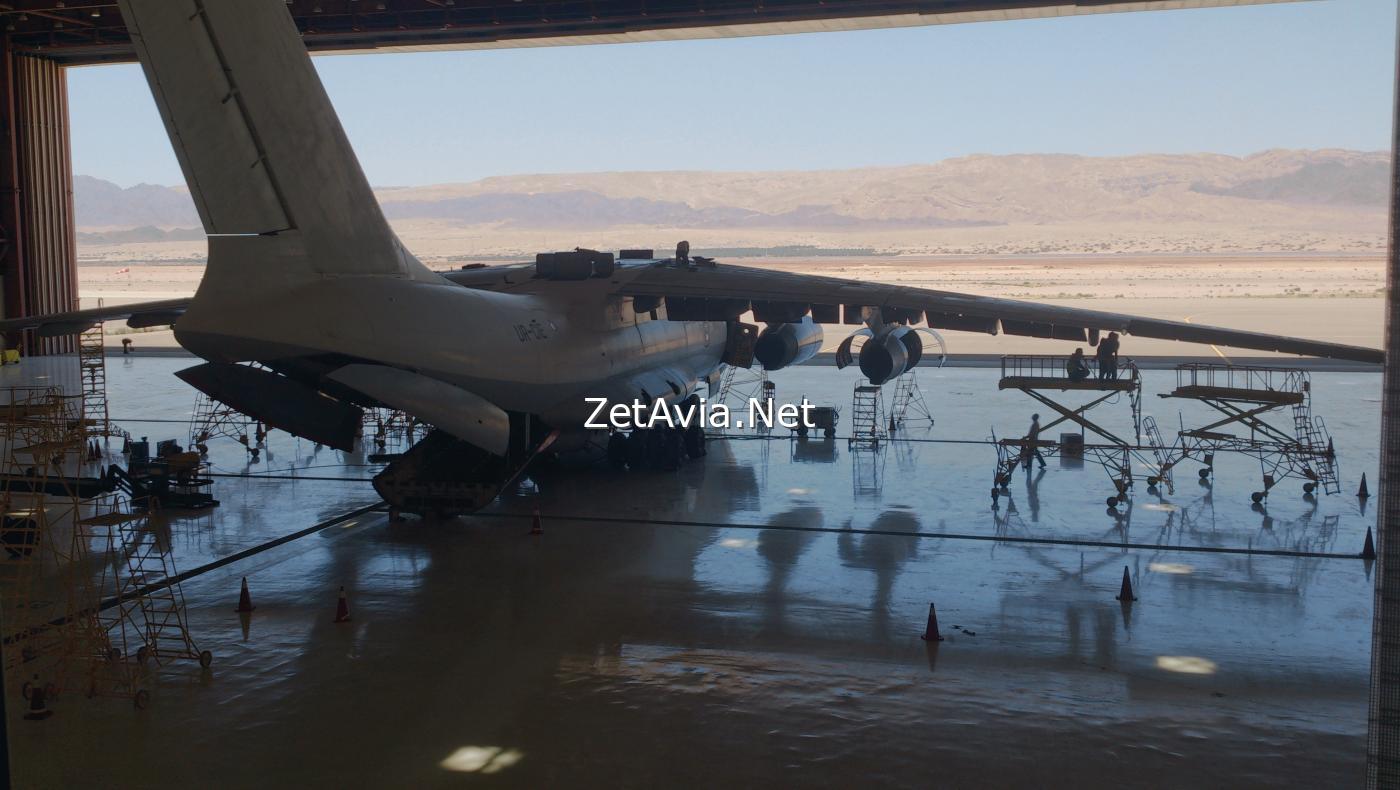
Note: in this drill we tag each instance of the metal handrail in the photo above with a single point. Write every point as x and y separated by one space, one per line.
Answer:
1241 377
1053 366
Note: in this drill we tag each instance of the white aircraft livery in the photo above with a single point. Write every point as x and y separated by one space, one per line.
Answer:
311 309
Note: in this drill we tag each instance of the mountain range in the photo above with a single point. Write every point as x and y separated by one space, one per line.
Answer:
1320 191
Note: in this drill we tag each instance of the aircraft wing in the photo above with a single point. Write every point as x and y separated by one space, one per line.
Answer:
138 315
711 291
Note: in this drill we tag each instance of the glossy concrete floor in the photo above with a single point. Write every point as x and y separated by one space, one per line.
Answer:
736 622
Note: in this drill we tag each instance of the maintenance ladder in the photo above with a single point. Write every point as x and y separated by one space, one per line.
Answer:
867 414
909 404
92 365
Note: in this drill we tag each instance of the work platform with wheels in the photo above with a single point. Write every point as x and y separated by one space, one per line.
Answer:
1250 401
1254 403
1047 379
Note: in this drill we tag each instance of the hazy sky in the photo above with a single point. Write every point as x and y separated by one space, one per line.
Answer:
1229 80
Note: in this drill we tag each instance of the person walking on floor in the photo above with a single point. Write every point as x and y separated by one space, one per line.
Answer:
1031 449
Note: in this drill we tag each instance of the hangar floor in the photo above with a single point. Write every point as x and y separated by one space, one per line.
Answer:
700 628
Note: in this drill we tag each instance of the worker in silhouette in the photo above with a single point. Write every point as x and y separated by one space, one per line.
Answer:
1031 448
1076 367
1108 357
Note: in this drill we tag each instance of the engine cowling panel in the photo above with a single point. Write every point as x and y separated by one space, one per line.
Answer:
888 356
781 345
882 359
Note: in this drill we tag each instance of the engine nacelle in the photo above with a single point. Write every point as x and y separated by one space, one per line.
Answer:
781 345
882 359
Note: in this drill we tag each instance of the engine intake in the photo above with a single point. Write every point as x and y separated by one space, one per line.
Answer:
781 345
882 359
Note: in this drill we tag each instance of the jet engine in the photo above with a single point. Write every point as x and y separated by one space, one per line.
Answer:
781 345
884 358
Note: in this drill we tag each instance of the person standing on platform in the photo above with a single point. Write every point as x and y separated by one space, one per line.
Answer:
1108 357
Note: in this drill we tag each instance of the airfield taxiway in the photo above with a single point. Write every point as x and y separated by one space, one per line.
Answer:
736 622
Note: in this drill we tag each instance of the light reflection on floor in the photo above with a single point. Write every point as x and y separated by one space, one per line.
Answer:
637 654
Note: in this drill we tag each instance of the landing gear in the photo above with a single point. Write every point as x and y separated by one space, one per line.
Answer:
657 449
637 449
695 441
672 451
617 450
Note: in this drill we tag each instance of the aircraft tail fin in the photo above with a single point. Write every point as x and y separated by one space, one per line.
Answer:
257 138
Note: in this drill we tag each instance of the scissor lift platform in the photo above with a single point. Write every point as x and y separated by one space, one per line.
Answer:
1247 397
1041 377
1063 383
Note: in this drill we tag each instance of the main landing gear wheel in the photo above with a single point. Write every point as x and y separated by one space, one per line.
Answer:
695 442
1112 501
141 699
206 658
637 449
617 450
672 450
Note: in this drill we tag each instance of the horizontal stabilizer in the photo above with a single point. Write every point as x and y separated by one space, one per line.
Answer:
278 401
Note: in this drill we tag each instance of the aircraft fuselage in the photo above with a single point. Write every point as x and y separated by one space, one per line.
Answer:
535 347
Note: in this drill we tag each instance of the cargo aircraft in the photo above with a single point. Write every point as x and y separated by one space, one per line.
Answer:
311 308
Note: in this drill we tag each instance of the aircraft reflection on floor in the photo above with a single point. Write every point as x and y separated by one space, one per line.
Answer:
884 556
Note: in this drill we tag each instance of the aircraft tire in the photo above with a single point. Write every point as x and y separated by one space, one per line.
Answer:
656 448
617 450
672 450
695 442
637 449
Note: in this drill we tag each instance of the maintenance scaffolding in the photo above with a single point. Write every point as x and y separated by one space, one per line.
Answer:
213 420
1251 400
739 387
389 426
89 587
1264 413
1046 379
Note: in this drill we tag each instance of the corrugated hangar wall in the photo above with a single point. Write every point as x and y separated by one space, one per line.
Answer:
39 268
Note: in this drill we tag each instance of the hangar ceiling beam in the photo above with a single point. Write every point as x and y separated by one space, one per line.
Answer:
78 32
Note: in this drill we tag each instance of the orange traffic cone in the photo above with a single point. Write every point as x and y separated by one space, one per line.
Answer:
1368 549
342 608
38 710
536 525
931 630
245 601
1125 593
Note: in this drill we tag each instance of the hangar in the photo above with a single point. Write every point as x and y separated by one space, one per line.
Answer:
39 274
